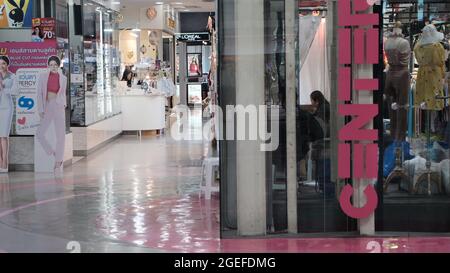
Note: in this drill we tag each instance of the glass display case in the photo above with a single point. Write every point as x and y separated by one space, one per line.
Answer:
96 67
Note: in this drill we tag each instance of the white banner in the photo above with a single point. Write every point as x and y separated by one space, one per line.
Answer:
27 117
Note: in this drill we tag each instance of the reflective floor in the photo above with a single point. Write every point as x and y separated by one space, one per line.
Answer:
141 195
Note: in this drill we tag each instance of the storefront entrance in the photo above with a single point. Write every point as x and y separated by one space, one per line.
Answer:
294 74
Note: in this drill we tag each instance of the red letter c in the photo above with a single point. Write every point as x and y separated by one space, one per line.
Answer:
358 213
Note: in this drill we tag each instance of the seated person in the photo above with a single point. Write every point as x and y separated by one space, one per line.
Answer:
128 76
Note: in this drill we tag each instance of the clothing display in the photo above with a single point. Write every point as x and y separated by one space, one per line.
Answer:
6 103
398 52
430 56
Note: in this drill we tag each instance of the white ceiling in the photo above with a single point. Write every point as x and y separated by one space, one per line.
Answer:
179 5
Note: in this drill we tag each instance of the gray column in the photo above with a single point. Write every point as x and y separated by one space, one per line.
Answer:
183 74
251 178
291 83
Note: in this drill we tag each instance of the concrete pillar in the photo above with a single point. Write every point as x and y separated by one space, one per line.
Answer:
291 84
251 178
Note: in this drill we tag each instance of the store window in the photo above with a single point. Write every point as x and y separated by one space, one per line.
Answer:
95 64
414 184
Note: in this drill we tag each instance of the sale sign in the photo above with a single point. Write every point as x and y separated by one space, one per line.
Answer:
27 60
43 29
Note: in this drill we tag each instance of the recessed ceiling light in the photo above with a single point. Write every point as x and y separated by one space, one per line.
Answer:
159 3
177 3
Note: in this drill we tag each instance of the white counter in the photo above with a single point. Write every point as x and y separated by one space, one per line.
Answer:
142 111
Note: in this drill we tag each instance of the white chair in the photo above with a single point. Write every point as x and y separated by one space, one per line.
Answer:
208 176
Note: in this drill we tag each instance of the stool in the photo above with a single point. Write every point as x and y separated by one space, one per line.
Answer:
208 177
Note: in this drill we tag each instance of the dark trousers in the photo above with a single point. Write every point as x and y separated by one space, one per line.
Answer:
397 87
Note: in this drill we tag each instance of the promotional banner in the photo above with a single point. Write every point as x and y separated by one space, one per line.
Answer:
27 60
43 29
15 13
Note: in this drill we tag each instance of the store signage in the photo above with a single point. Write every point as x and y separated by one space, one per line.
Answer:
27 60
15 13
360 26
171 23
43 29
193 37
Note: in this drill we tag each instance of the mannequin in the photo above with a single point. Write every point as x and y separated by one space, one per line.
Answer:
430 55
398 52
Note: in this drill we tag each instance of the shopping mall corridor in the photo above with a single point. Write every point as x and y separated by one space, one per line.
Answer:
141 195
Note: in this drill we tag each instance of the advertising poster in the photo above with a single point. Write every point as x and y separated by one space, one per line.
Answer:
27 59
15 13
43 29
194 66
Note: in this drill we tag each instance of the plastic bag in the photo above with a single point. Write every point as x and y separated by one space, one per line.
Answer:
389 157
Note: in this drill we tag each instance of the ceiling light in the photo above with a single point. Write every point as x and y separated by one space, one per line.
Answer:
159 3
136 30
115 3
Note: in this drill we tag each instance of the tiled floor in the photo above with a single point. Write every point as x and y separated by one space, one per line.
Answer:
142 196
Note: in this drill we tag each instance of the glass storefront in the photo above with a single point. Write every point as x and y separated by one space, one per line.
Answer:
414 187
95 64
289 63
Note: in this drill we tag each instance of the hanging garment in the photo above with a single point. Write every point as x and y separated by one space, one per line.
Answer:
398 53
431 60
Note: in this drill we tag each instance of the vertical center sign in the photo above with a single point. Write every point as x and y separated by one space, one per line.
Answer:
358 26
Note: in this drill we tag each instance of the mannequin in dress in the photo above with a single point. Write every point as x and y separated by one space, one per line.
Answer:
430 55
398 52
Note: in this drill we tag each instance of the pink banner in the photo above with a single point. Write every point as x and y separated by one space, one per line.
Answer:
27 60
28 54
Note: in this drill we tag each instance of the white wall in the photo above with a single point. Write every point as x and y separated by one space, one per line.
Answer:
137 17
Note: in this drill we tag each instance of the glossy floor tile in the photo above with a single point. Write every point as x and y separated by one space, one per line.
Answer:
141 195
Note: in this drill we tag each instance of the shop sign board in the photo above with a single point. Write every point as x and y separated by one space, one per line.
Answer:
193 37
27 60
15 13
43 29
171 23
357 21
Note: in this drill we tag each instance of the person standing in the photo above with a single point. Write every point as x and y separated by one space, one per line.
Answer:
7 90
51 102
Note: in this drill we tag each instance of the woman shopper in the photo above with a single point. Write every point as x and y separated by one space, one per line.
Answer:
7 90
51 102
